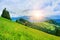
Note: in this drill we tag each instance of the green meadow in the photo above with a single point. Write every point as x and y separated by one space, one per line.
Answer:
10 30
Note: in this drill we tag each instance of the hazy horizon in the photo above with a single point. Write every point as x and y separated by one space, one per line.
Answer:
18 8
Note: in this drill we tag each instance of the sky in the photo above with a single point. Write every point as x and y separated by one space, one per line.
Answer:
24 7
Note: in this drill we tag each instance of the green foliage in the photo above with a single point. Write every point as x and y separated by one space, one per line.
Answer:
5 14
51 21
42 27
14 31
23 21
57 30
49 27
56 26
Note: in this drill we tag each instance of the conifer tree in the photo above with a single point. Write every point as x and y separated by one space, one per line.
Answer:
5 14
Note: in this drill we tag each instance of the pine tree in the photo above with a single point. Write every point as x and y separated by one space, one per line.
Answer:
5 14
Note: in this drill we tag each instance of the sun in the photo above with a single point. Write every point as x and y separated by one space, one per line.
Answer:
37 15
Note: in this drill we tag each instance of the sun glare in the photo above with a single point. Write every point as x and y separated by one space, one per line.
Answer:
37 15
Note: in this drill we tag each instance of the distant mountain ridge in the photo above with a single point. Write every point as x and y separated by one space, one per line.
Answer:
55 18
24 17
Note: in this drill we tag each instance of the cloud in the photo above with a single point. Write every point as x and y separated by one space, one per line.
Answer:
16 7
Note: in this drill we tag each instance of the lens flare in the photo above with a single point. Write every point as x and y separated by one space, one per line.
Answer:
37 15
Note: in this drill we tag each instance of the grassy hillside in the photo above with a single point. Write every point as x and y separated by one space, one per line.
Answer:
46 25
13 31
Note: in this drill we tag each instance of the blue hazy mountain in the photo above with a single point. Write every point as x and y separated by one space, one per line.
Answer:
55 18
24 17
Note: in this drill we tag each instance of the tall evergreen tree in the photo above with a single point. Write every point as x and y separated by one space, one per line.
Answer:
5 14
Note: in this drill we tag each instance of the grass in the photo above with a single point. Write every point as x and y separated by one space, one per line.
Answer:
46 25
13 31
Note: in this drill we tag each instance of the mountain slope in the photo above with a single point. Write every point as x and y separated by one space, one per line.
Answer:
14 31
48 27
45 25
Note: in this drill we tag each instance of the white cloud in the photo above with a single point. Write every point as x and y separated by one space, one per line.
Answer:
18 6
